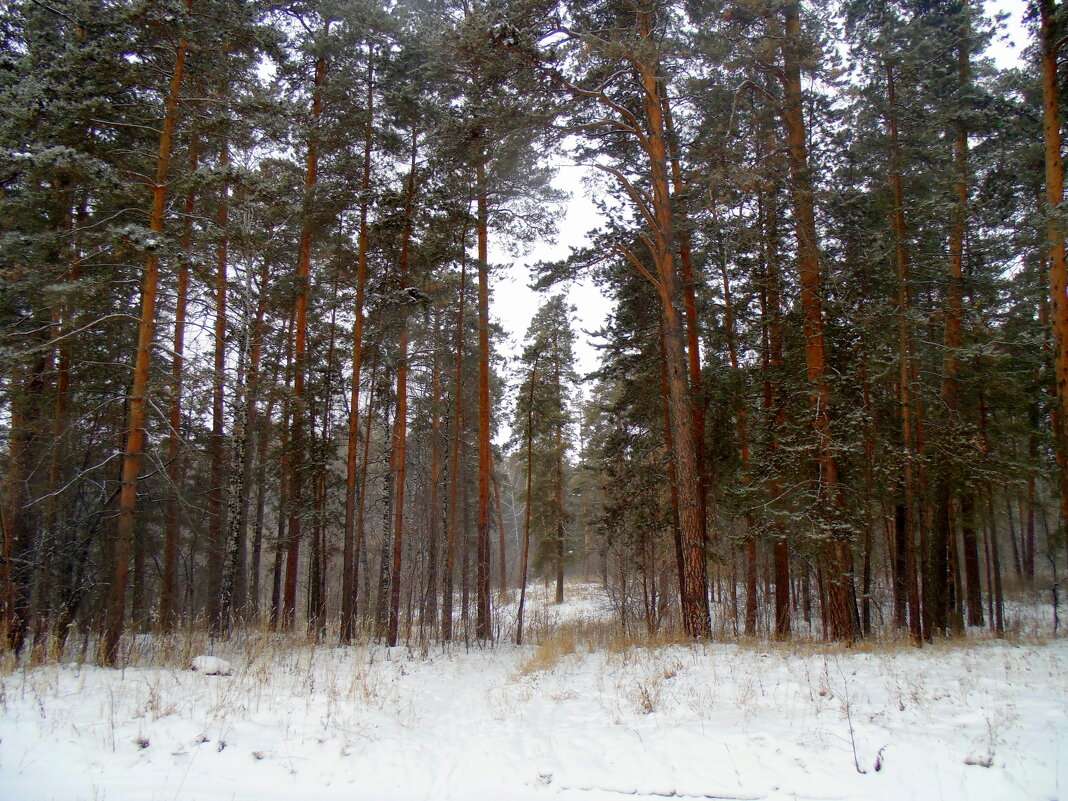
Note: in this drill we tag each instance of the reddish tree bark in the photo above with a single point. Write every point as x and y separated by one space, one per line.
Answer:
1050 41
115 617
173 531
300 305
217 447
839 557
454 460
400 425
485 455
349 587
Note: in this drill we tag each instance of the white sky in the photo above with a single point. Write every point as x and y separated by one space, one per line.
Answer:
513 304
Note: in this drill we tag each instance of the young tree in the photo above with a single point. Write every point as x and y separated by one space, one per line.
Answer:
542 421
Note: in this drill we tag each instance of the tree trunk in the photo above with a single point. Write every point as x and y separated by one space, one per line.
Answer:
435 477
743 438
361 504
689 288
173 531
502 545
839 587
454 461
1050 41
524 559
248 580
349 567
300 305
61 322
16 557
942 539
216 491
672 475
485 456
972 588
559 436
774 402
694 581
284 467
235 517
138 406
400 427
905 581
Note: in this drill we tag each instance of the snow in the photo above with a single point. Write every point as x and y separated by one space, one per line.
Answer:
211 666
560 720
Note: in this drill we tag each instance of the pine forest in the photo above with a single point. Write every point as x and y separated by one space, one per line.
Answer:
250 377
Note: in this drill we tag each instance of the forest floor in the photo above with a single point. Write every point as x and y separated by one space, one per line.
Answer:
578 716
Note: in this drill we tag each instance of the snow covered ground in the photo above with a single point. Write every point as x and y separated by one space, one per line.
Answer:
556 720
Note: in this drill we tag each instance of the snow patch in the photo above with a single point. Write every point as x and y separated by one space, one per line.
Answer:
211 666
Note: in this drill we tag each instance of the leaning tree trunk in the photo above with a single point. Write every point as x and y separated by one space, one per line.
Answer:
694 581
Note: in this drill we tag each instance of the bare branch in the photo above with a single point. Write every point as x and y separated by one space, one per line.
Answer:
640 198
629 255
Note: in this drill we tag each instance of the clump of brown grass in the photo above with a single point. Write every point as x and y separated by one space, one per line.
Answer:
549 652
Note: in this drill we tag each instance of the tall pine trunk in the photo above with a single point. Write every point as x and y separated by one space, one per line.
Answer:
940 597
400 426
906 586
839 557
217 449
300 305
349 567
485 456
694 581
454 461
115 615
173 531
1050 41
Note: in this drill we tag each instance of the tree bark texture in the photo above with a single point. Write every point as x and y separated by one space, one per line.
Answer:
115 617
